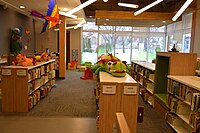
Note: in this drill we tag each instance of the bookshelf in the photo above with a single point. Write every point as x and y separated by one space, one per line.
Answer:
183 99
117 94
198 67
3 62
29 85
144 72
170 63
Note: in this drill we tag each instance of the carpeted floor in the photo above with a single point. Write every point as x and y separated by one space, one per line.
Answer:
72 97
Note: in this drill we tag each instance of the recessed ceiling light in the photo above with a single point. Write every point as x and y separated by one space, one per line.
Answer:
65 9
164 21
90 16
105 0
107 19
21 7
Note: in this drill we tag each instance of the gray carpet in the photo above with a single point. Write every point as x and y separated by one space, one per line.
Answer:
72 97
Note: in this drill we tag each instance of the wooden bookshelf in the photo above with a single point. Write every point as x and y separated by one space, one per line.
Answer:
24 86
143 72
117 94
184 108
170 63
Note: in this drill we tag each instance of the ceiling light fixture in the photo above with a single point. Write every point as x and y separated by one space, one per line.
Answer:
70 27
81 6
67 15
182 9
65 9
80 24
107 19
21 7
105 0
13 6
128 5
147 7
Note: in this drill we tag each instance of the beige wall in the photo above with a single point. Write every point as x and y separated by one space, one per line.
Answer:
75 42
45 40
197 32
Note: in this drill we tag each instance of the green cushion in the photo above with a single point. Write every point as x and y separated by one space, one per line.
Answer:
162 98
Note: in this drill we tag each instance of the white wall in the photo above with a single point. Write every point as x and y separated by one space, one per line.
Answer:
48 39
75 42
197 32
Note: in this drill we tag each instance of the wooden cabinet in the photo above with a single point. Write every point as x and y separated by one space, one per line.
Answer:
143 72
117 94
170 63
22 87
184 103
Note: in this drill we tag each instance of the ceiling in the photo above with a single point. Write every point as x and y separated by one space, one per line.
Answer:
100 10
167 7
42 6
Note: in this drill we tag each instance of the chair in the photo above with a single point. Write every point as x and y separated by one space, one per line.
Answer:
72 65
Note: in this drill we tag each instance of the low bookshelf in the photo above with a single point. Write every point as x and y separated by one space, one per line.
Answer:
183 99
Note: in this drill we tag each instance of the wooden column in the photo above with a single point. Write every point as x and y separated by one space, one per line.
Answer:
62 48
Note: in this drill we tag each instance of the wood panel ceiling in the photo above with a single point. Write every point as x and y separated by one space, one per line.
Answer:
167 6
110 10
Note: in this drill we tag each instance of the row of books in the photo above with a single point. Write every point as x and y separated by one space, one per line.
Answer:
180 90
97 93
196 102
143 71
35 97
39 71
43 81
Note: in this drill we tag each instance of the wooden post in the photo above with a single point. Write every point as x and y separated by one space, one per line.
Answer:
62 48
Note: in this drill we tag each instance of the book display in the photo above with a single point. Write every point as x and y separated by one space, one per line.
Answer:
183 99
117 94
143 72
170 63
29 85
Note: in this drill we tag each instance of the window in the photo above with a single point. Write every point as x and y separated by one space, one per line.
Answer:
135 43
179 34
89 47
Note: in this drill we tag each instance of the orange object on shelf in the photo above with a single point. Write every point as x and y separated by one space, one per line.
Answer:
72 65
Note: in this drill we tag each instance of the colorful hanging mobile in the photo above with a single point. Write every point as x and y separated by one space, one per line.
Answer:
51 18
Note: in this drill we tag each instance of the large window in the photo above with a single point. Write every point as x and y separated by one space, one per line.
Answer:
135 43
89 47
179 34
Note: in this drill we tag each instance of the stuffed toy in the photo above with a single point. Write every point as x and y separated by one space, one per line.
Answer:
15 42
21 60
42 57
111 65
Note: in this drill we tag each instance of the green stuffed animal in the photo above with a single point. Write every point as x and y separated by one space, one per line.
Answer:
110 64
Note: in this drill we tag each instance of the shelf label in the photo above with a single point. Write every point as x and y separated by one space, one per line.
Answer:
6 72
21 72
130 90
109 89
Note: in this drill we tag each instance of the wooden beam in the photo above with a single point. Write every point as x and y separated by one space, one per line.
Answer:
130 15
62 48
